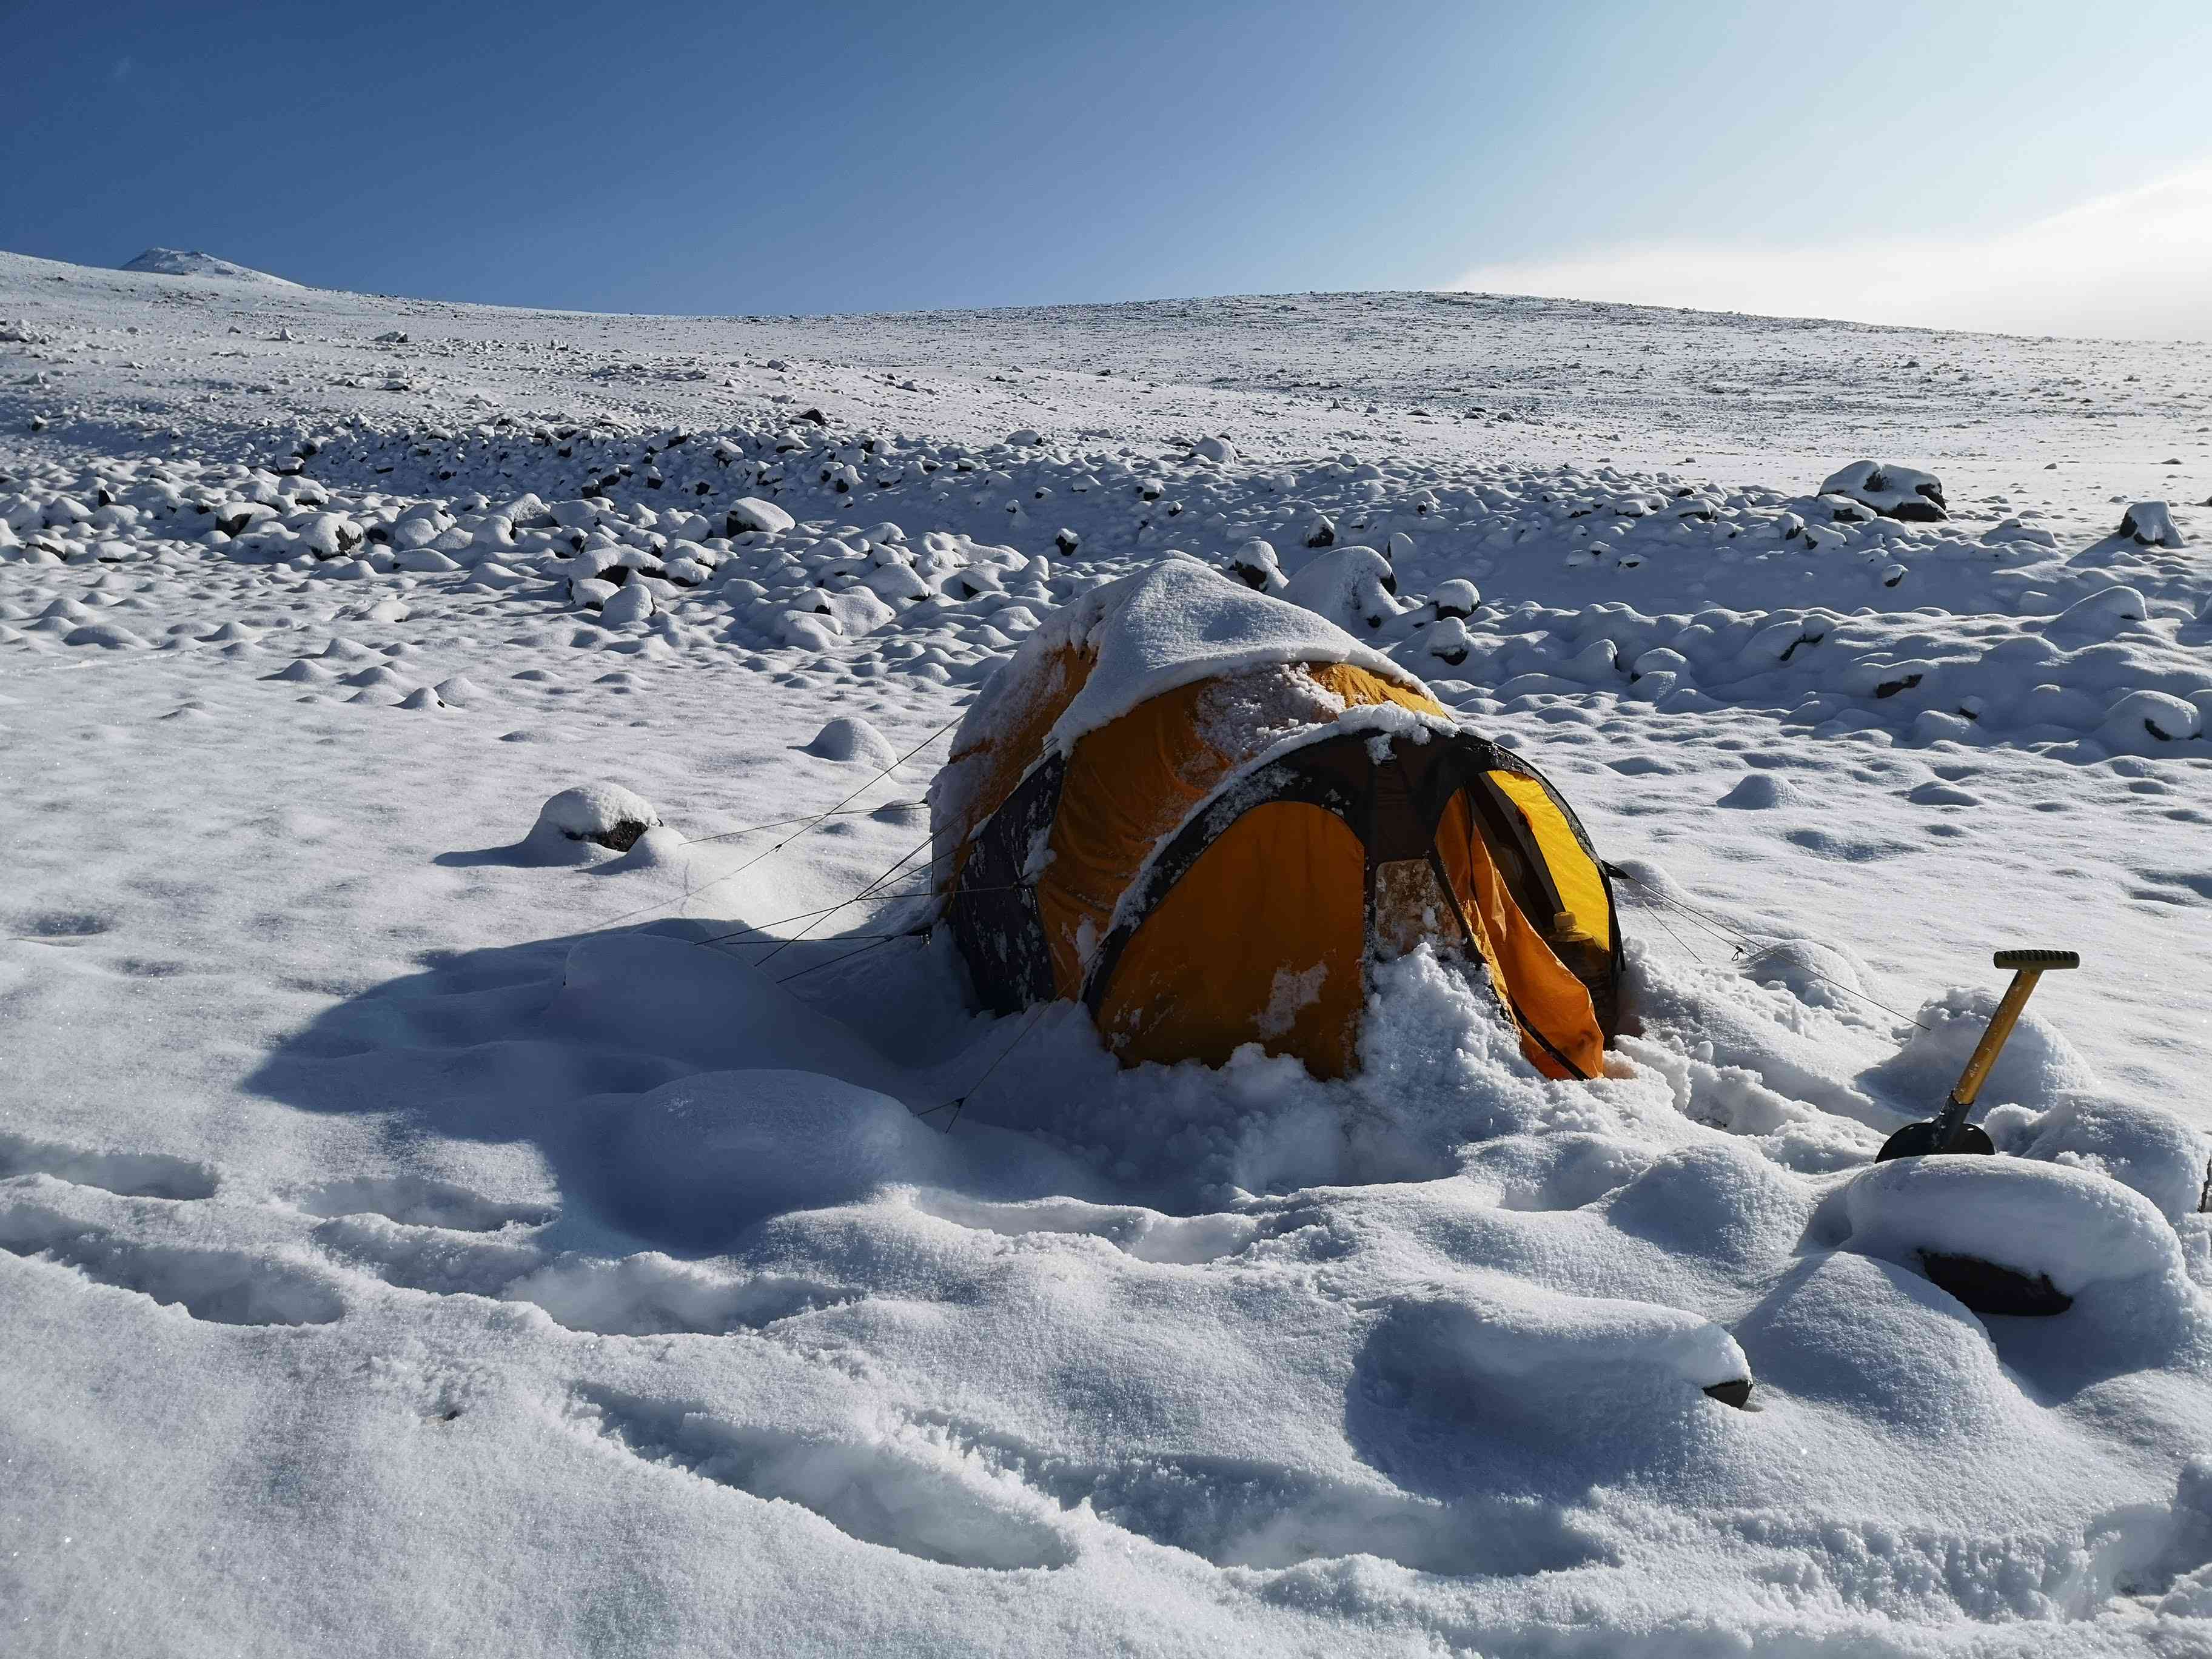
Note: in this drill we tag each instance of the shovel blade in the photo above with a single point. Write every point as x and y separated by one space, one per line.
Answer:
1919 1140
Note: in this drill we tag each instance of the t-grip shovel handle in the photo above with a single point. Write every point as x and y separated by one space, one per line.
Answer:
1948 1131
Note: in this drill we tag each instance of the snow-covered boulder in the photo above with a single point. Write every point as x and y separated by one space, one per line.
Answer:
589 817
2150 523
2099 617
331 535
2072 1226
1520 1342
2145 722
750 513
1895 492
1353 587
1255 564
631 603
1457 597
1447 642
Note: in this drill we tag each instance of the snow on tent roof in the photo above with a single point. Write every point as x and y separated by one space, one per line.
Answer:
1172 625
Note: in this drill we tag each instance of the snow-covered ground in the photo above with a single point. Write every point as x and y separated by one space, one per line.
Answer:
420 1231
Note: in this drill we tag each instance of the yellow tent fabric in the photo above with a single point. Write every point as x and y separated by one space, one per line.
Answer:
1219 862
1132 782
1287 978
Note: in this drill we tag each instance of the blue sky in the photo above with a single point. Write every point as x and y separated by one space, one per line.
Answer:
794 158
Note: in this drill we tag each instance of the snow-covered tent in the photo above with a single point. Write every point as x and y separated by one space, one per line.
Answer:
1205 813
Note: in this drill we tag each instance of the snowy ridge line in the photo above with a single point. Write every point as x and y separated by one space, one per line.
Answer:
1439 369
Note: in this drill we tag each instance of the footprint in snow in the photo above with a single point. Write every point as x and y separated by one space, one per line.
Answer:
1143 1234
655 1295
61 925
2197 883
434 1260
421 1202
226 1287
921 1498
418 1234
127 1175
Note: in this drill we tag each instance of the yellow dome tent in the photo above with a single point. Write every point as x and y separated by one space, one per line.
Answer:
1205 813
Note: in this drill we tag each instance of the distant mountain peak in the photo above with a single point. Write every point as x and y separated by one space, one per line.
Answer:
174 261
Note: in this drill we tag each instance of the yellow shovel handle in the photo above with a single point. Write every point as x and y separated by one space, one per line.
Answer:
1993 1039
2029 966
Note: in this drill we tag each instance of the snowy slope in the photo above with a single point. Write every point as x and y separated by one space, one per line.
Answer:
176 262
422 1231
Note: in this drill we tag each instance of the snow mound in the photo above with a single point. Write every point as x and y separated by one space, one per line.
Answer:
2098 615
175 262
849 737
2153 1151
1819 976
1759 791
665 996
2037 1067
1519 1335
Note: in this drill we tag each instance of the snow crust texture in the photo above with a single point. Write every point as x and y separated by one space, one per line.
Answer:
487 1164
